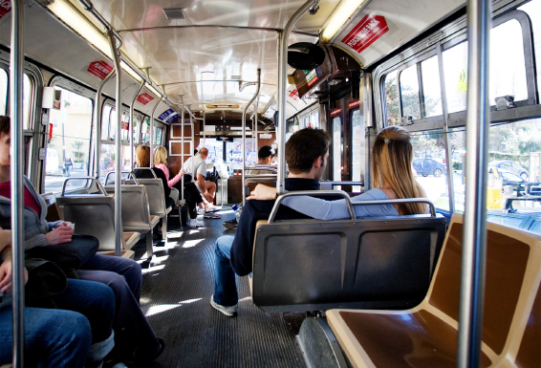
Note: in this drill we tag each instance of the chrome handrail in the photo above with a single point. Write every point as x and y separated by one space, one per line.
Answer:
279 200
132 106
96 180
244 135
130 173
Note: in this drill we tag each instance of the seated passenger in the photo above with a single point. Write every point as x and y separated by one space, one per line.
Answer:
306 154
142 159
57 337
160 161
393 179
123 275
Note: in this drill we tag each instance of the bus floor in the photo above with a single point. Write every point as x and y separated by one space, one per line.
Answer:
177 286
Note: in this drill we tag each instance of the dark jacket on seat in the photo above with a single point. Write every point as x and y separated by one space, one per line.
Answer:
253 211
146 174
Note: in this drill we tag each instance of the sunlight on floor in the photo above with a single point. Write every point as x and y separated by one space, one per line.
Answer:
166 307
153 269
191 243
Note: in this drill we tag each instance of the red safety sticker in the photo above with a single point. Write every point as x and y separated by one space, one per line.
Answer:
5 7
125 125
99 68
144 98
369 29
294 95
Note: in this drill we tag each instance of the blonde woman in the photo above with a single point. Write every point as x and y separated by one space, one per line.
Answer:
393 179
160 161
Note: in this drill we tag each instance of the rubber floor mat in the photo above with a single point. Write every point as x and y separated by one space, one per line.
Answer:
177 286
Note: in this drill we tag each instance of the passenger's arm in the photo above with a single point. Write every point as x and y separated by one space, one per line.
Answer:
176 179
6 275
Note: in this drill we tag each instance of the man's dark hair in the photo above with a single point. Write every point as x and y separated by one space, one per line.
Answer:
265 152
304 147
4 125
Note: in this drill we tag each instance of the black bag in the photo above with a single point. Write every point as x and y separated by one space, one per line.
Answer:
213 176
68 256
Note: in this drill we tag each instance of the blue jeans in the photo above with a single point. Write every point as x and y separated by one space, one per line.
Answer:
225 289
55 338
124 277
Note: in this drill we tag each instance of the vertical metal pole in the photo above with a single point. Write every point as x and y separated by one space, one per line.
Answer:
152 133
97 121
448 153
472 280
282 89
182 152
204 134
118 146
255 143
16 171
132 138
244 136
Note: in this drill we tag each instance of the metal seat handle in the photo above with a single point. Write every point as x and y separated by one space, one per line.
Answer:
148 168
398 201
130 173
341 193
98 184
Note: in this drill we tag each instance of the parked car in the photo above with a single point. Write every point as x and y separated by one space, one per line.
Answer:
429 166
512 167
509 178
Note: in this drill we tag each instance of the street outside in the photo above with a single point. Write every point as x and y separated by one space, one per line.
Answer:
53 183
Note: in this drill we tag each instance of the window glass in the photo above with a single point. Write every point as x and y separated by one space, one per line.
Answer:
507 65
391 99
3 91
505 220
105 120
357 148
535 227
431 87
337 148
108 162
27 102
216 150
69 148
455 66
409 92
533 9
430 166
158 134
234 153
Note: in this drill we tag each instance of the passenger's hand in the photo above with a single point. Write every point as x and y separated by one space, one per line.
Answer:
182 172
60 235
63 223
6 276
263 193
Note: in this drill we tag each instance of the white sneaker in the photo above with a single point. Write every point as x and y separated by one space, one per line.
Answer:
199 223
201 211
192 223
228 311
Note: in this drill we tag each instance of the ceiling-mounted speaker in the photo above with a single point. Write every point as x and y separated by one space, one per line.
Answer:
305 56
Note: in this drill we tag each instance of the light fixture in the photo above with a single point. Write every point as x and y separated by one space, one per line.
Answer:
339 17
173 13
73 18
154 90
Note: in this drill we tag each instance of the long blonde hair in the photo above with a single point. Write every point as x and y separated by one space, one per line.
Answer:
391 163
160 155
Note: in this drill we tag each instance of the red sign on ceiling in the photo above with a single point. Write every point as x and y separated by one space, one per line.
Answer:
369 29
99 68
294 95
144 98
5 7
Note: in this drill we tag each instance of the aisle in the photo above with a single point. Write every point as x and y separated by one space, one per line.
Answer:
177 287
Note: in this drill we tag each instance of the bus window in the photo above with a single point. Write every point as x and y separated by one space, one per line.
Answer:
3 91
216 149
409 92
357 148
27 102
533 9
112 126
234 153
105 120
430 166
107 160
68 150
431 87
158 135
337 149
391 99
507 65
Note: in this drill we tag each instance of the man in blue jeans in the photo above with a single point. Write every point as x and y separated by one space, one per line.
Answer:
306 155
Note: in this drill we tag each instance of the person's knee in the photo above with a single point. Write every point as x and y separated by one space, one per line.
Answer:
211 186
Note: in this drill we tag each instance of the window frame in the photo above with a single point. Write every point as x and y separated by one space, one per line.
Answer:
528 108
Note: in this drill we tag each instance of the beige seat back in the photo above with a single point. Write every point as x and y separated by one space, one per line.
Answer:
155 194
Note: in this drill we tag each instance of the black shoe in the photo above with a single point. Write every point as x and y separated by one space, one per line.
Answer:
145 362
231 225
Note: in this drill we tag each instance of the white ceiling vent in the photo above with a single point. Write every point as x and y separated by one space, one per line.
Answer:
173 13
